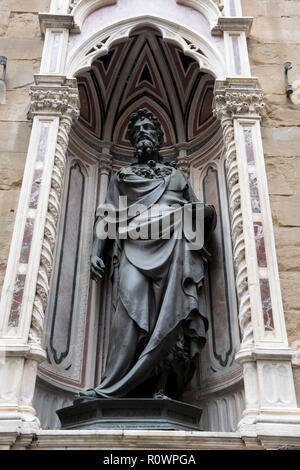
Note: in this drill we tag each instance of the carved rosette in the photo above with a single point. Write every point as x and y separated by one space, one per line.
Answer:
229 104
65 102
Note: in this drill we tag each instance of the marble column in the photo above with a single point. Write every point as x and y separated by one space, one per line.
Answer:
264 352
26 285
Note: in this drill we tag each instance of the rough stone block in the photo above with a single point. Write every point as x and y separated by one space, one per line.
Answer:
23 25
283 175
286 210
26 5
280 113
290 284
272 53
282 8
271 77
270 29
17 105
11 170
8 206
254 8
281 141
14 136
20 73
21 48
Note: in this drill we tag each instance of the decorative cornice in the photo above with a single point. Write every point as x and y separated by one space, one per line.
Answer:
232 23
60 101
55 20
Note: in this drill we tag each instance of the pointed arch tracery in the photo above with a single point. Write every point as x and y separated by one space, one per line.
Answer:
145 71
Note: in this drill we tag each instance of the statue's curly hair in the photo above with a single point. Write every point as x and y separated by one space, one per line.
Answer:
144 112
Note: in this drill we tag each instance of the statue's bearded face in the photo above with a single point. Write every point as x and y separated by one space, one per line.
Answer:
145 137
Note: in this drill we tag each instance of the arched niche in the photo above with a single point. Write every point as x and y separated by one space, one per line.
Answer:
143 62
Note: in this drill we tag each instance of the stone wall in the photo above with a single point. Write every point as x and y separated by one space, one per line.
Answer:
274 40
21 43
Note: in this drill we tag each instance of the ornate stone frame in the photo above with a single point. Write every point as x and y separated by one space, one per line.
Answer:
271 408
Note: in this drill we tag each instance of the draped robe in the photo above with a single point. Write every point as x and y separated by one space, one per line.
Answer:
159 294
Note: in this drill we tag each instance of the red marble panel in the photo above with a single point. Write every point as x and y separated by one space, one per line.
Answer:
35 189
266 304
260 244
27 239
254 194
17 300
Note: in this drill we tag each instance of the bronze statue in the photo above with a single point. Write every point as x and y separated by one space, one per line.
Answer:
159 322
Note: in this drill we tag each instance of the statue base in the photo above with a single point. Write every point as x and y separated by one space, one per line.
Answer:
131 413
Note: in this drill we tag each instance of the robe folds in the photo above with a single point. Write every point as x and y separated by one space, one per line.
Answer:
159 295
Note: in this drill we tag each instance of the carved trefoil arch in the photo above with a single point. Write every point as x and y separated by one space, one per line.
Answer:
219 46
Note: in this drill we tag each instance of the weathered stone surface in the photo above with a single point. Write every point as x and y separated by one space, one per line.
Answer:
14 136
23 25
286 210
17 105
20 73
21 48
26 5
271 29
290 283
11 170
281 141
285 113
271 8
4 17
283 175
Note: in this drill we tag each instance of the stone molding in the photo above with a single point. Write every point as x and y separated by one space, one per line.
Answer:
232 24
55 20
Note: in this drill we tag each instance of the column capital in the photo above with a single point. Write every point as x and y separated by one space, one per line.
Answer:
60 101
238 98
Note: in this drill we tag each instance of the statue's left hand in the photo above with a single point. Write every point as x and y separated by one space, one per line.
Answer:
97 268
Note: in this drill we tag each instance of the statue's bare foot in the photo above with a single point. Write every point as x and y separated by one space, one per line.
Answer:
85 396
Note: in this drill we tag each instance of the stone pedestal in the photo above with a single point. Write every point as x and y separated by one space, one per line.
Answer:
131 413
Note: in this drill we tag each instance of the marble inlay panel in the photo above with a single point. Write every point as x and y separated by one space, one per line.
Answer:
236 55
249 146
254 194
260 244
232 8
29 226
17 300
266 304
55 50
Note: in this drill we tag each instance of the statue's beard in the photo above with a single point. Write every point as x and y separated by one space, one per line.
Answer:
145 148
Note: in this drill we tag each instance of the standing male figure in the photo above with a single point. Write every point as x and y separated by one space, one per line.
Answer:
159 321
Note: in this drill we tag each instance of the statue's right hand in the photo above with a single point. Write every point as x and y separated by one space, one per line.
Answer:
97 268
